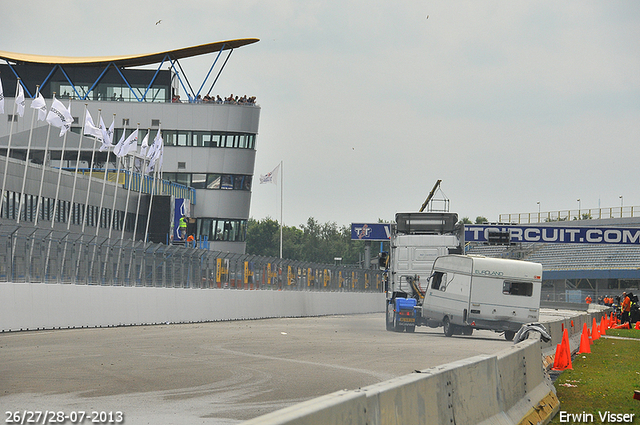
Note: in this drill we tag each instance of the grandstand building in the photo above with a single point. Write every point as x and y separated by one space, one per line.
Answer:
209 147
571 271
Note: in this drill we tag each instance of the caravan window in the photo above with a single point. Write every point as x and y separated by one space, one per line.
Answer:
517 288
438 279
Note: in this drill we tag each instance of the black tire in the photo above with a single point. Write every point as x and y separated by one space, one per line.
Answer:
388 322
467 330
508 335
411 329
396 326
447 327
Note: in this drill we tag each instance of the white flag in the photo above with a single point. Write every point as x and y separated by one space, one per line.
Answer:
271 177
127 145
20 100
107 135
59 116
39 104
145 145
155 152
1 98
90 128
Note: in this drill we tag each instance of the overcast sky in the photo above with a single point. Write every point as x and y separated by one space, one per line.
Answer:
510 103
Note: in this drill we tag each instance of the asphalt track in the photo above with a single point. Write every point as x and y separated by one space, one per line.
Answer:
214 373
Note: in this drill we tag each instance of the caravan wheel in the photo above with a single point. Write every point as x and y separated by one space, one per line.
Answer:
447 326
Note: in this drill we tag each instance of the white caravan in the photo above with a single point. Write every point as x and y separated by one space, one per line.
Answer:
467 292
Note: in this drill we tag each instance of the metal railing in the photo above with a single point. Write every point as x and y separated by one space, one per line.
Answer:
570 215
34 255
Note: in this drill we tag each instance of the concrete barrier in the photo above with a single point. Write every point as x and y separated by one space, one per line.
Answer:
50 306
511 387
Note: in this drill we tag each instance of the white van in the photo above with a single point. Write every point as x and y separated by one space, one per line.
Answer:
467 292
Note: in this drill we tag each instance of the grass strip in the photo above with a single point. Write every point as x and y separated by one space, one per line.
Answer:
602 381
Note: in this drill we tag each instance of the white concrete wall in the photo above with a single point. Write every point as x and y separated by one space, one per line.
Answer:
508 388
29 306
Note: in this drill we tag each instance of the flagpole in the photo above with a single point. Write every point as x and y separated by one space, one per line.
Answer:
115 193
281 202
115 189
75 175
44 162
126 205
104 185
6 162
153 188
135 225
93 156
55 202
26 164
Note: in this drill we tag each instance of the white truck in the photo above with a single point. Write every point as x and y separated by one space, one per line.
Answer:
458 292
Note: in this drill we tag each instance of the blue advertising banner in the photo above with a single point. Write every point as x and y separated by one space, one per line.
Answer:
181 207
556 234
370 231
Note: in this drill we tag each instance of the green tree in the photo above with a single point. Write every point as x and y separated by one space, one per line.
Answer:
480 219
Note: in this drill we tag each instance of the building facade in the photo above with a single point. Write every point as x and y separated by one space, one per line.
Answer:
209 146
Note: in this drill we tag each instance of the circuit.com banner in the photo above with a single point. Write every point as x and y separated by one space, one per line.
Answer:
556 234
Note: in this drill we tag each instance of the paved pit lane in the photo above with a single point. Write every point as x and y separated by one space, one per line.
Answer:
215 373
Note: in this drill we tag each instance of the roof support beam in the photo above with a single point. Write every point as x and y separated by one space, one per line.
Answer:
220 72
144 96
210 69
19 79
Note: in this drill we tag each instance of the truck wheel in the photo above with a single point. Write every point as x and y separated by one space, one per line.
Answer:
411 329
396 326
447 326
508 335
389 318
467 330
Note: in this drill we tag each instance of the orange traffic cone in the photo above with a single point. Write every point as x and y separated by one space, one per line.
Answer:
594 331
562 360
584 340
623 326
603 329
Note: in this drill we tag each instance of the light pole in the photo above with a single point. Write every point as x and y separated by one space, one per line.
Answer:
579 208
538 211
621 203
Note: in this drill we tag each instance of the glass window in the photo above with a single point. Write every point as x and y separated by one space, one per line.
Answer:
183 178
437 279
216 140
247 182
242 141
184 138
201 138
169 138
226 182
219 230
213 181
517 288
237 183
204 228
198 181
230 141
251 141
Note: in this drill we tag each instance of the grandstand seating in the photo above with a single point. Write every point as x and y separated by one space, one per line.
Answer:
568 256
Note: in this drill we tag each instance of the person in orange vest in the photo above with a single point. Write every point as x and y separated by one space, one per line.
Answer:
588 300
625 308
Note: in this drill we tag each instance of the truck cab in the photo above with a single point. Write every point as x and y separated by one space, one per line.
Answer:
416 240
